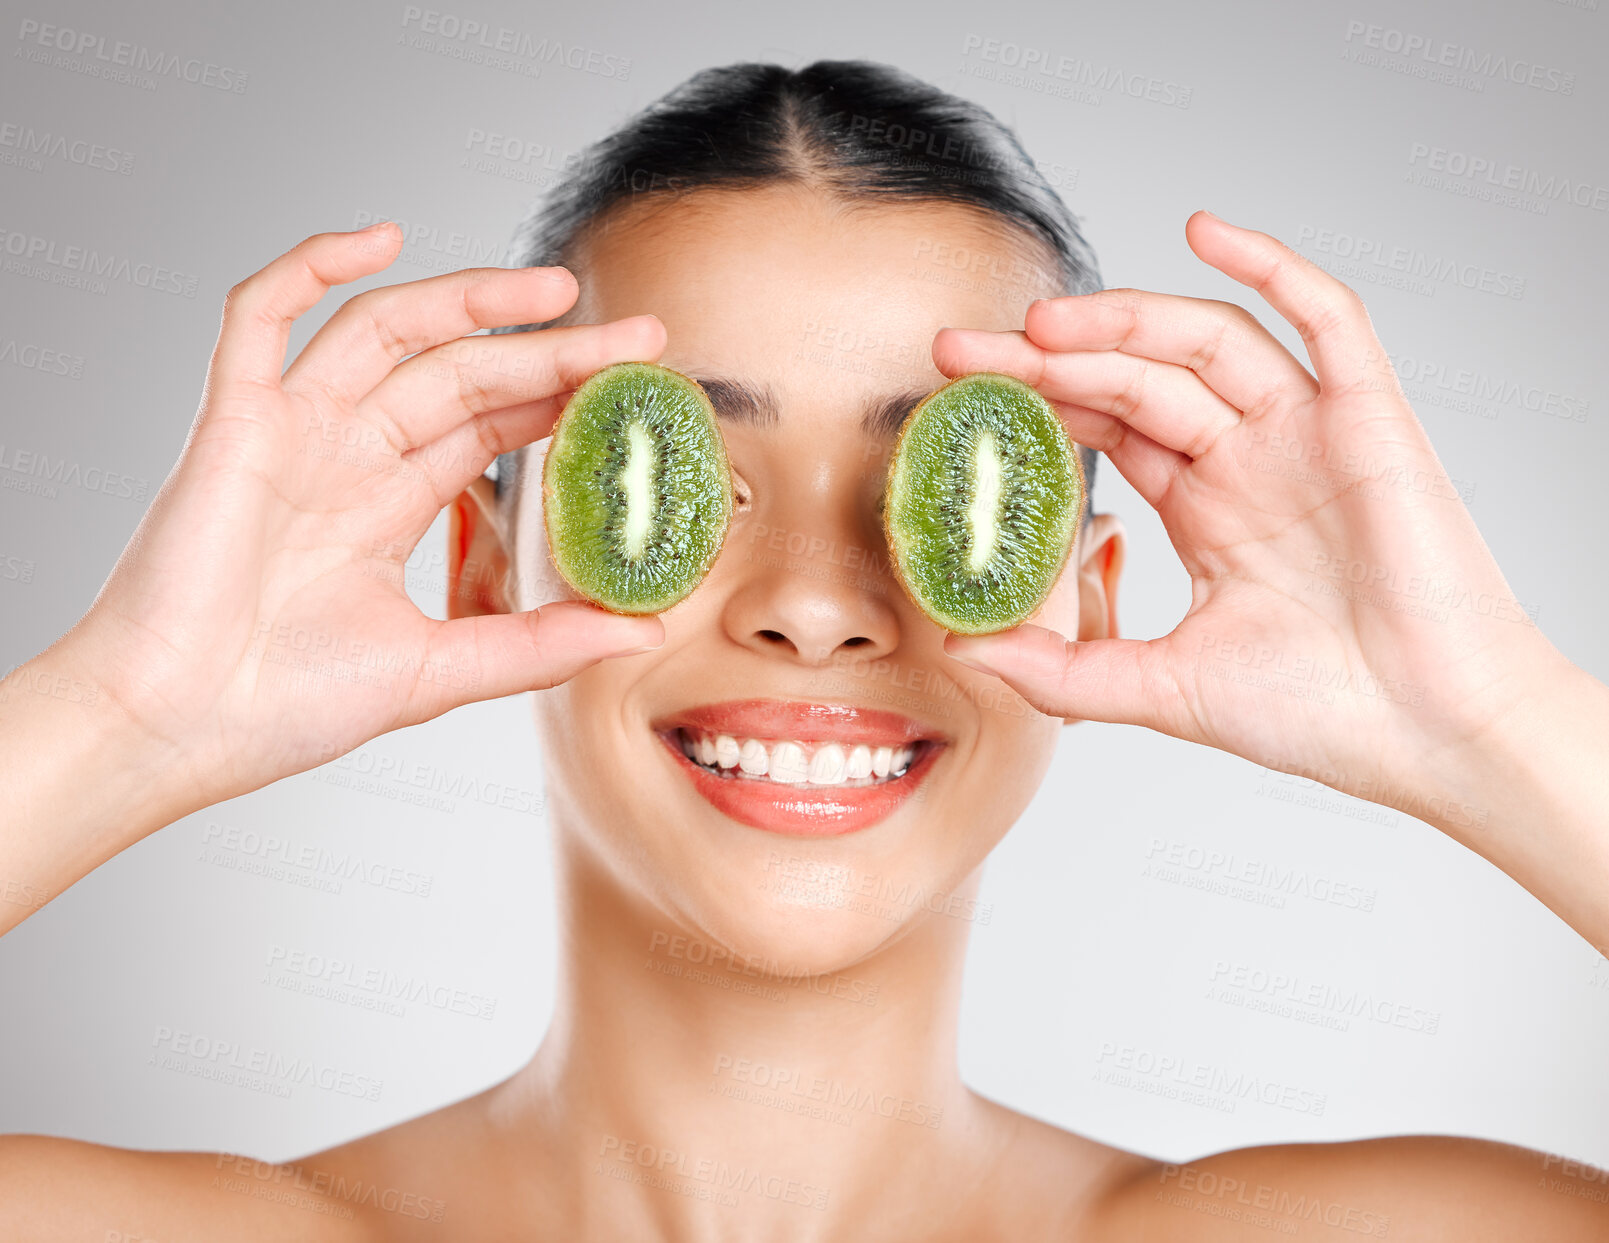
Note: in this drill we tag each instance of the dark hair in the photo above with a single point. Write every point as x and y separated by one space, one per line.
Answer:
859 130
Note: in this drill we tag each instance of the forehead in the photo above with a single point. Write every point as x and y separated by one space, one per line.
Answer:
807 294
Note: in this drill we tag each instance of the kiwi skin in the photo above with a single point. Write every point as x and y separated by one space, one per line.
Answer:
549 492
887 509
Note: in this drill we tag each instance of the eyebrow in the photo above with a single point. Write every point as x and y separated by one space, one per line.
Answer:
885 415
757 406
737 402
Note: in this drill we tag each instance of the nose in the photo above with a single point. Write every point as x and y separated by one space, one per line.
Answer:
811 607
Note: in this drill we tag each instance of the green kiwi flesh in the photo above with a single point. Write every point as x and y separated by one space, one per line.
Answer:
636 488
982 504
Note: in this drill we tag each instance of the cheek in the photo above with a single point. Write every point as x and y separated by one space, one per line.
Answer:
1020 744
536 580
1059 612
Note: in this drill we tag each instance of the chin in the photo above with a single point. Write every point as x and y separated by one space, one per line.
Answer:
791 838
796 928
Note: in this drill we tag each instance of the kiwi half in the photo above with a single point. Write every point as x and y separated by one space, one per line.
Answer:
636 489
982 504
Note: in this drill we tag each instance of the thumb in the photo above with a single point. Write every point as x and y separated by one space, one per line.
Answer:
476 658
1119 681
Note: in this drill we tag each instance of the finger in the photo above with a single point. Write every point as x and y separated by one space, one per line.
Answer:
1236 356
1119 681
1329 316
1149 467
470 659
433 392
451 463
1168 403
373 332
259 311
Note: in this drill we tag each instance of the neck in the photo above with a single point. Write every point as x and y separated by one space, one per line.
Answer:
684 1085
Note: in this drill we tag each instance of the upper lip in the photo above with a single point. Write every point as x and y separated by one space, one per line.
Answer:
801 722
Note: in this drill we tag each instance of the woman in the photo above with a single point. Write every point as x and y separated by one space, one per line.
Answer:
745 1045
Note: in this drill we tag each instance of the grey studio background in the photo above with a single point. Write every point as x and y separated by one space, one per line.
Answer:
1336 128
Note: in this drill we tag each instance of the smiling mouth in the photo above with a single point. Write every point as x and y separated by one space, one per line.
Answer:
801 769
788 762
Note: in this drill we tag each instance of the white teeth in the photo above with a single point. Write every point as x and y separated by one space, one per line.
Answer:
827 765
788 763
753 758
796 763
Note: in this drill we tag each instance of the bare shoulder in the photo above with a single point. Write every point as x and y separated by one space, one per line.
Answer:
62 1191
1431 1187
455 1172
1035 1180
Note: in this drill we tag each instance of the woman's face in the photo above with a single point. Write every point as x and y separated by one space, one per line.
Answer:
812 326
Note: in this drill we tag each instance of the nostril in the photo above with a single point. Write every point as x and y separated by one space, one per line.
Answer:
774 636
857 641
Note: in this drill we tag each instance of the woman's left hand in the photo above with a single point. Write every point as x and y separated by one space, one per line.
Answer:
1347 621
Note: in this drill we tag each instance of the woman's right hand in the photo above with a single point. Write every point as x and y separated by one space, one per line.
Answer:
257 623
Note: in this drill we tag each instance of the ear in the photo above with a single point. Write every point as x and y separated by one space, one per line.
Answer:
477 559
1100 565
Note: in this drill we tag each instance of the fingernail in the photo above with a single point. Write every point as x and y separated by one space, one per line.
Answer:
377 226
